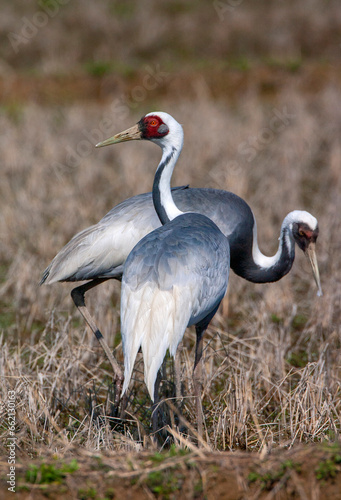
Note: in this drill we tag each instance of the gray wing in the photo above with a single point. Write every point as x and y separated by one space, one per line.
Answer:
231 214
101 250
191 252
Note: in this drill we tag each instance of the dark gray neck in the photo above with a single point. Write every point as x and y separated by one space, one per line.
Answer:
255 267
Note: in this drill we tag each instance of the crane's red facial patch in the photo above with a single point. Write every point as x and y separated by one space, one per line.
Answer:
304 235
307 233
304 231
152 127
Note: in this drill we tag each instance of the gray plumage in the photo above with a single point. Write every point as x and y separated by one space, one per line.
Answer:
175 277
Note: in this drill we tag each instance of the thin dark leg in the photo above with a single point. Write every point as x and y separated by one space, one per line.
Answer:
155 407
77 295
197 377
200 329
177 376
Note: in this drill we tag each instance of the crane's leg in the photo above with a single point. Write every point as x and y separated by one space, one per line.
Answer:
77 295
177 375
197 377
200 329
155 406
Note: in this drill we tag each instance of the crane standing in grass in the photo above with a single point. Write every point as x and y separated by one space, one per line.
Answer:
177 275
98 253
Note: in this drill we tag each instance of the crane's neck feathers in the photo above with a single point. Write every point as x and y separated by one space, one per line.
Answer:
284 255
171 146
273 268
162 195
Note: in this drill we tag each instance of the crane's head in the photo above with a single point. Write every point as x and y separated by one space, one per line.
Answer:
158 127
305 230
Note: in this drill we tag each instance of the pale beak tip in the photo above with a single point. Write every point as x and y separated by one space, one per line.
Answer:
107 142
310 253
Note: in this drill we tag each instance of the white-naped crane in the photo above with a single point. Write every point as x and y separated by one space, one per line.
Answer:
176 276
98 253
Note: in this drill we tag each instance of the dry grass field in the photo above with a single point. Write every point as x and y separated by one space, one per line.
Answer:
272 390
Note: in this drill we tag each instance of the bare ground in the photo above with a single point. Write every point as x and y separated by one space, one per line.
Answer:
306 472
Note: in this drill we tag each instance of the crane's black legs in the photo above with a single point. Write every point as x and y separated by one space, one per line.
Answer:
77 295
200 329
155 406
177 376
197 376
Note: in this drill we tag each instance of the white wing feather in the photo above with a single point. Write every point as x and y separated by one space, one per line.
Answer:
156 320
97 249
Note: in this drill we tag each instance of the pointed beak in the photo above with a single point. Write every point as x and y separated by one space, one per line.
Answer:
131 134
311 256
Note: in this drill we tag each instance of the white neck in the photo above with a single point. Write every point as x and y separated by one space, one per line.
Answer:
286 249
171 146
285 238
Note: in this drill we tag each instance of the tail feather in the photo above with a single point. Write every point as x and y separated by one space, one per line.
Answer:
133 323
155 320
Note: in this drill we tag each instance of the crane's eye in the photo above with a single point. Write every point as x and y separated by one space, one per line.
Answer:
301 232
153 122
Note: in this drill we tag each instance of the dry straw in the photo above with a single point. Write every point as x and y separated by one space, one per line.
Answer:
272 356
